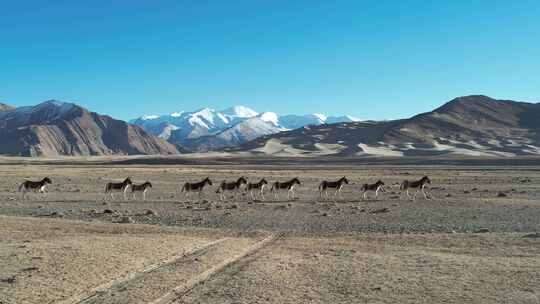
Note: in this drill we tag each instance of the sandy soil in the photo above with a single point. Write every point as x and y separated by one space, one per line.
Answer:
47 260
62 261
69 246
463 199
378 268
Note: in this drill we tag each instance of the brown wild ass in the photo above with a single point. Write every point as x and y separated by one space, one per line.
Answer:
285 186
418 185
123 187
195 187
257 186
231 187
141 188
38 187
338 185
378 186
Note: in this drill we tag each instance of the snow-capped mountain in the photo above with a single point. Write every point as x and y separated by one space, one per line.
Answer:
473 126
207 129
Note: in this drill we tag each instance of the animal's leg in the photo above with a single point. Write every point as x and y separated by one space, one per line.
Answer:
377 193
424 192
293 194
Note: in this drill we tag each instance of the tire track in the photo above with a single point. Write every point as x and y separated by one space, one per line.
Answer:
101 289
181 290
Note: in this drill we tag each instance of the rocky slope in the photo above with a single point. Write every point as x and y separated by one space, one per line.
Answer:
472 125
5 107
57 128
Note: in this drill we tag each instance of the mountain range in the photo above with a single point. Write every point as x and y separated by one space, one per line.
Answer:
209 129
55 128
473 125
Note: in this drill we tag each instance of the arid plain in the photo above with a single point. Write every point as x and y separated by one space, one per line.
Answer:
476 240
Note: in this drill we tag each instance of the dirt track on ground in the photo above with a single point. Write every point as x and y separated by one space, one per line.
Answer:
467 244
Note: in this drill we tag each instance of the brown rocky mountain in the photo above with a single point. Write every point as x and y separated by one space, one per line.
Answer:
57 128
471 125
5 107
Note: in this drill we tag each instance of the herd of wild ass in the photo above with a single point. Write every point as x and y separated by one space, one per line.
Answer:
241 184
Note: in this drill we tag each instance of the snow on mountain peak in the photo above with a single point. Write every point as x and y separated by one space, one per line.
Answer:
270 117
321 117
240 111
237 123
352 118
149 117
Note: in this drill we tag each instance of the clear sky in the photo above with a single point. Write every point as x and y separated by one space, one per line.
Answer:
372 59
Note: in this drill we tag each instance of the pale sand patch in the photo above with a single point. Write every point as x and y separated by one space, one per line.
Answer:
277 148
328 149
532 149
53 259
461 151
379 151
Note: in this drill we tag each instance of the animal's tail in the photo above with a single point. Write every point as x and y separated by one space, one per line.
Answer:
21 187
107 188
183 188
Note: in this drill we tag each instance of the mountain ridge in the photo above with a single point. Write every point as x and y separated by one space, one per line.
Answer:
208 129
54 128
468 125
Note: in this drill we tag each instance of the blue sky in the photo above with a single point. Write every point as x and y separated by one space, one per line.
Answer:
371 59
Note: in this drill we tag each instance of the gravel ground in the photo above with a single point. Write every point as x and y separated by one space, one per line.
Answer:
463 199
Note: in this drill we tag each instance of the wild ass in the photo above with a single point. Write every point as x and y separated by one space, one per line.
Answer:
418 185
378 186
141 188
231 187
338 185
257 186
284 186
38 187
195 187
123 187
